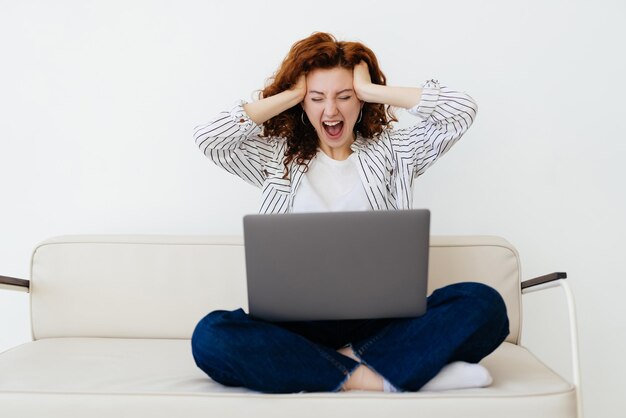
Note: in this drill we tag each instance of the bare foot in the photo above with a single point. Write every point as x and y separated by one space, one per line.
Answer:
363 378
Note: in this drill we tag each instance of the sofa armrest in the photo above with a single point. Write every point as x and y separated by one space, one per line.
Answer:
12 283
543 279
558 280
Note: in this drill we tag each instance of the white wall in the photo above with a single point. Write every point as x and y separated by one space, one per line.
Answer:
98 101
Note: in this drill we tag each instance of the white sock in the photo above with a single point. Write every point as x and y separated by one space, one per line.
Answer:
459 375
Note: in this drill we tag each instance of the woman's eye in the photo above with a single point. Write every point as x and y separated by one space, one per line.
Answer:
345 98
316 99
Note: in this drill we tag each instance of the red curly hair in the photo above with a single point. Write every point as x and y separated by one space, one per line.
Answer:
320 50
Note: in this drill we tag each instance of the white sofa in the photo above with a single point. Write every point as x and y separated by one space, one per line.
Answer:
112 318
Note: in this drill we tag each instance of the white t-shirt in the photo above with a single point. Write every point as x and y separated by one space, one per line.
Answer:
331 185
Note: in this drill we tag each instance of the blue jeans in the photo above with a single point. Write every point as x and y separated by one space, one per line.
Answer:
463 322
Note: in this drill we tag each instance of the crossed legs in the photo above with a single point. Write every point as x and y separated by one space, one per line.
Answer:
464 322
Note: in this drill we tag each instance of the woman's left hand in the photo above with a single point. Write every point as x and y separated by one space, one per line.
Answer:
368 92
361 79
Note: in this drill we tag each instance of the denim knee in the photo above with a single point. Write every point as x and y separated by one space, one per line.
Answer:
490 303
210 333
485 300
203 327
489 297
209 347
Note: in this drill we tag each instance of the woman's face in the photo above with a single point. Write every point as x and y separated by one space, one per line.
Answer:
332 107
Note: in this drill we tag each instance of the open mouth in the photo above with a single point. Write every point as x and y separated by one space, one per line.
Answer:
333 128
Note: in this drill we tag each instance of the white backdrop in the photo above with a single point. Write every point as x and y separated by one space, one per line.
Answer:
98 100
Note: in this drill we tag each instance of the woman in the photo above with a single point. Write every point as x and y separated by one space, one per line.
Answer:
319 139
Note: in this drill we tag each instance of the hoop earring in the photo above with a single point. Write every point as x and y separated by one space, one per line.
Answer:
302 119
360 116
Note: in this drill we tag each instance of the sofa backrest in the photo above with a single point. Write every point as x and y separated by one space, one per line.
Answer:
151 286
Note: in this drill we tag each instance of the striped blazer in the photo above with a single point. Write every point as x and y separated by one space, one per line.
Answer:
387 164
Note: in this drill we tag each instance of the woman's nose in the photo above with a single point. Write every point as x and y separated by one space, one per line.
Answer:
331 108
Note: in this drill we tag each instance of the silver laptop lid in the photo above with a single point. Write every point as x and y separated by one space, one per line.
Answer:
337 265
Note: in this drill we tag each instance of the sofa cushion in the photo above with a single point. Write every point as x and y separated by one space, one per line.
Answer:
151 286
135 377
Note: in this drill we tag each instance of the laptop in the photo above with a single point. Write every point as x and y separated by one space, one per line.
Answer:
337 265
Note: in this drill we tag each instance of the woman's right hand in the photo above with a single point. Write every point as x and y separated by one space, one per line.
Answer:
268 107
300 86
